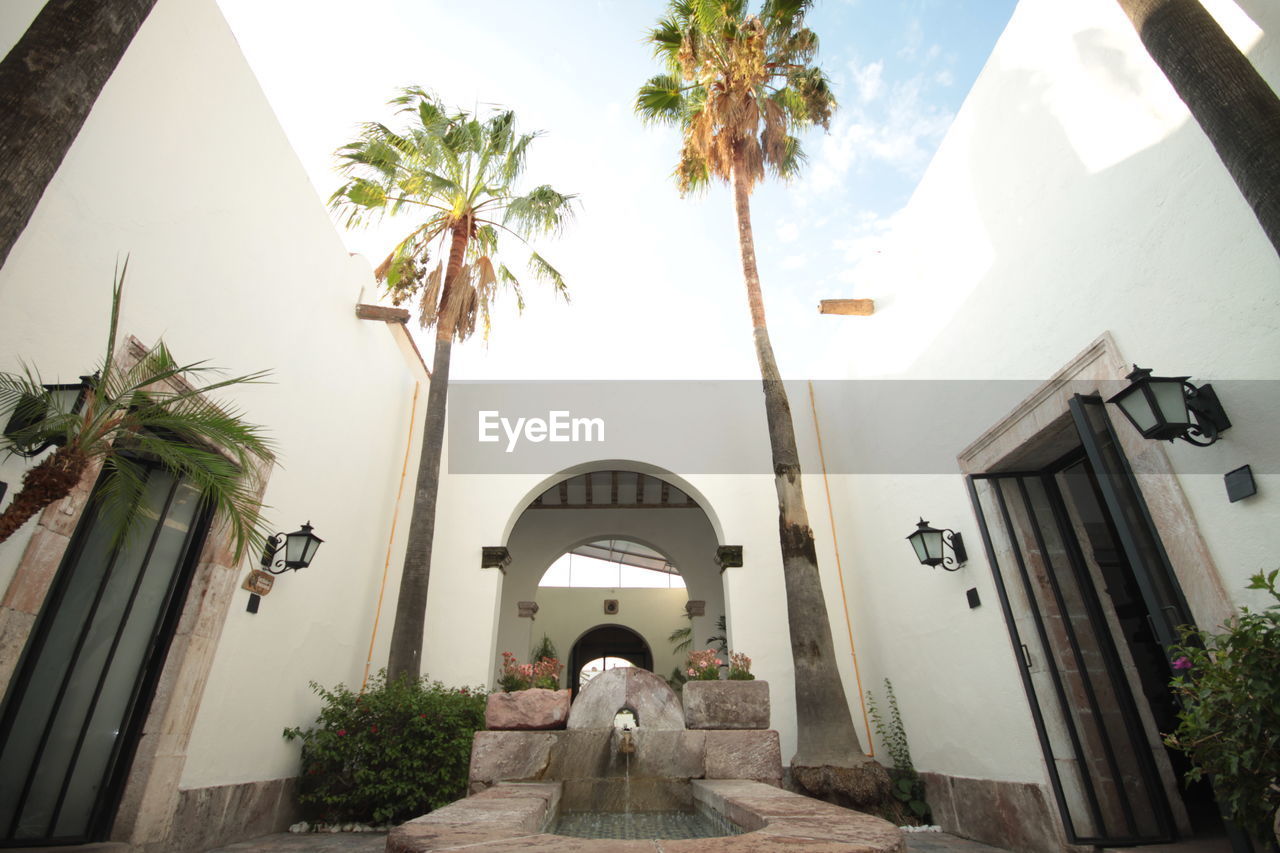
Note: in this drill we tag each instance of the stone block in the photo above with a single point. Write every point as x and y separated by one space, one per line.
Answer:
669 754
655 704
726 704
514 756
580 753
527 710
753 755
1013 815
40 561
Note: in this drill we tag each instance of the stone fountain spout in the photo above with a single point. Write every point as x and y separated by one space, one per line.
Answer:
626 741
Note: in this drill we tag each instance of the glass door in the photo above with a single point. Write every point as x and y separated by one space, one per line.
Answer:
1097 750
74 710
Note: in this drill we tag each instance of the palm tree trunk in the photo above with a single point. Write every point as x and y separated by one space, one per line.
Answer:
51 480
825 727
1234 106
411 605
48 83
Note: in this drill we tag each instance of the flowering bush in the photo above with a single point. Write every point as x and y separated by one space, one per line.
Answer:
1228 685
545 673
394 752
704 666
740 667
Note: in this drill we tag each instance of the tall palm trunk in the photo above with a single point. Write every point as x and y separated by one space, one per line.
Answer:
48 83
1234 106
825 727
411 606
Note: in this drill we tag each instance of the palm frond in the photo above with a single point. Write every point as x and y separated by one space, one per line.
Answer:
547 273
661 100
540 211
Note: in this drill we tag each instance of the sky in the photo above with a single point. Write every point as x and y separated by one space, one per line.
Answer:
655 279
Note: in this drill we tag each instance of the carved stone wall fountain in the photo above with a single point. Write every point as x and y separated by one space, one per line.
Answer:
630 746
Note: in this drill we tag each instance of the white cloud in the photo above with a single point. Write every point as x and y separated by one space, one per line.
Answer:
869 79
788 232
944 78
901 131
794 262
863 241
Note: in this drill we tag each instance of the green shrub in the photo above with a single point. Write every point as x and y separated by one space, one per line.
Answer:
394 752
908 787
1228 685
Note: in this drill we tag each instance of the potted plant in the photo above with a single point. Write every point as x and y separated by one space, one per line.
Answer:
732 701
530 697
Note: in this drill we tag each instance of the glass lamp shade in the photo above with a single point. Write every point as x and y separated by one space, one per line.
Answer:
300 546
927 542
1155 405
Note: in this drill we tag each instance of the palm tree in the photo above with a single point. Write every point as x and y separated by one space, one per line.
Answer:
48 83
739 86
1230 100
128 414
459 172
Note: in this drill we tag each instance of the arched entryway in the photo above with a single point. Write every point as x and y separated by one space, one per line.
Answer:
641 552
608 641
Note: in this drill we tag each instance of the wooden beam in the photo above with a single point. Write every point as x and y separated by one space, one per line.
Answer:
855 307
384 313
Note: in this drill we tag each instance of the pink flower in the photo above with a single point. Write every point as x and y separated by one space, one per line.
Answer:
342 732
1182 663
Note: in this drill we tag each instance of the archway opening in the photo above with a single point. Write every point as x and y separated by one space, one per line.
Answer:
616 642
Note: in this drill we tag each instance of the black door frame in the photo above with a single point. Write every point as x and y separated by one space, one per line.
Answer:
1116 484
139 704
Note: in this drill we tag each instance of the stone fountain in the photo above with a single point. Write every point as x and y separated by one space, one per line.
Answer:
630 745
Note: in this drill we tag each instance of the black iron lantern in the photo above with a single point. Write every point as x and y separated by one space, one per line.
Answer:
930 545
299 547
31 410
1167 407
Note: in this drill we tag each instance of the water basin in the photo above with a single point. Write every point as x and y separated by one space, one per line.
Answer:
644 825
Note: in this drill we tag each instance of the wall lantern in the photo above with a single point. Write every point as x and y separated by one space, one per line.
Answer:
1168 407
299 547
930 543
30 411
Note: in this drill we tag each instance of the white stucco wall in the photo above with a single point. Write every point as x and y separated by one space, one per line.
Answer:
1073 195
182 166
565 614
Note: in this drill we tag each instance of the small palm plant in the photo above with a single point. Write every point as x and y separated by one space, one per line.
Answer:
153 411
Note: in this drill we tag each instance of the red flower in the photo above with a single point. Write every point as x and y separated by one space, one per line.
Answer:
342 732
373 729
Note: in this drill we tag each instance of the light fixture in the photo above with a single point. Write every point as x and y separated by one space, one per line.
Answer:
1168 407
299 547
31 410
930 544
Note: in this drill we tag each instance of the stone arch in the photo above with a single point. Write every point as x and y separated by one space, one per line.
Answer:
620 465
685 532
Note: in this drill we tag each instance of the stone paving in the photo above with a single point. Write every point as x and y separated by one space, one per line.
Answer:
369 842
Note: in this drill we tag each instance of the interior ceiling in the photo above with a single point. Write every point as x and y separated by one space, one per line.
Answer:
613 490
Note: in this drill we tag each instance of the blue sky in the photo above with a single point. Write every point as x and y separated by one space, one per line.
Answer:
655 279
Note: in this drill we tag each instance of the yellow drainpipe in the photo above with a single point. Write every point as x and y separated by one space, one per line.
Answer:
866 722
395 517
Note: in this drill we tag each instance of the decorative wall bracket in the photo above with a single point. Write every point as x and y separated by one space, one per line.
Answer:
695 608
495 557
527 609
729 557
